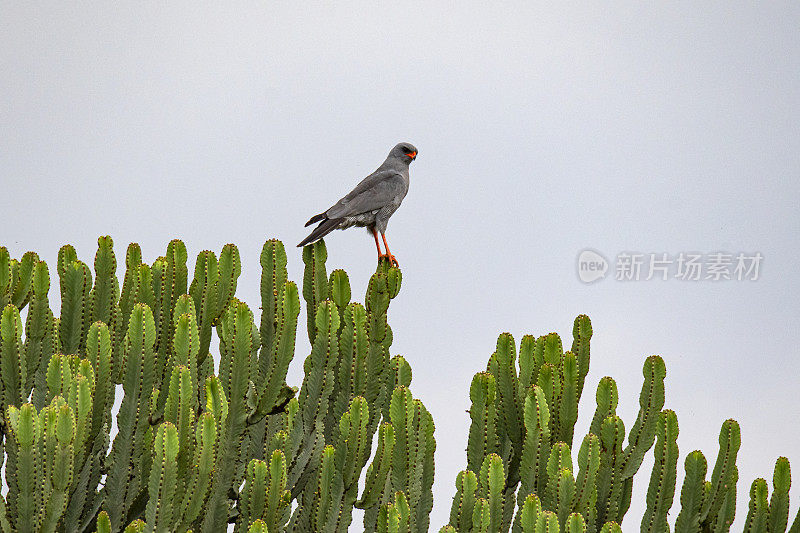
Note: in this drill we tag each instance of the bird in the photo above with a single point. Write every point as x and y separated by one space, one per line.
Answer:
371 203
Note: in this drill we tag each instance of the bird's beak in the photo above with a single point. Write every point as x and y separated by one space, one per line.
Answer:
412 155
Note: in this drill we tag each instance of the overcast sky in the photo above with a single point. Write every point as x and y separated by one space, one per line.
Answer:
543 130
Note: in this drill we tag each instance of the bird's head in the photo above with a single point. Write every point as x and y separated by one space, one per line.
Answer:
405 152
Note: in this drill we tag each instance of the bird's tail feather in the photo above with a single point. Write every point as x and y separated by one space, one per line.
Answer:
315 218
325 227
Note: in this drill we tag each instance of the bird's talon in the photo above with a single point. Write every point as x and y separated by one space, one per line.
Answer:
392 260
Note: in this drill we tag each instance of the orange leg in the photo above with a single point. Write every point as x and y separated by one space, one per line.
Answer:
392 259
377 244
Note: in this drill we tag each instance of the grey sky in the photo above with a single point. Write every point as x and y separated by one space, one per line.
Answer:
542 129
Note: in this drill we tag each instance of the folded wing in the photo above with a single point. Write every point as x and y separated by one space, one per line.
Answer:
375 191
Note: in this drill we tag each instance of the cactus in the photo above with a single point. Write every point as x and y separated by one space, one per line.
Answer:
265 496
779 501
464 501
405 454
103 523
13 366
195 488
163 478
720 501
536 448
529 513
238 344
692 493
41 337
585 499
560 483
281 306
394 516
16 278
523 415
491 482
315 282
208 439
132 445
378 470
412 459
483 438
76 285
199 448
42 456
662 478
212 289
